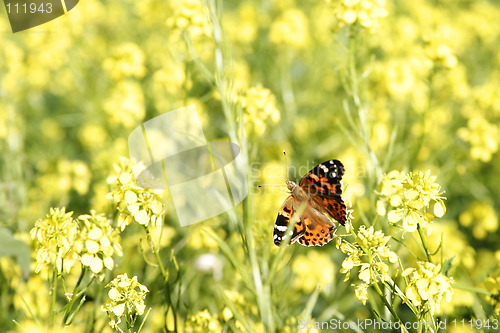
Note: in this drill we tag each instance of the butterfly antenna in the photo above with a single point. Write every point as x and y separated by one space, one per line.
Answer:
286 165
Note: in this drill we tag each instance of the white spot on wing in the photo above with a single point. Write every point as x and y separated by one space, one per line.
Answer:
281 228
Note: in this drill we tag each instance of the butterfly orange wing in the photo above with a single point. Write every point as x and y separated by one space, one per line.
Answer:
324 187
324 190
319 230
283 221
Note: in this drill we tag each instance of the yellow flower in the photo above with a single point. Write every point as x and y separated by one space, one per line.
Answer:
126 60
411 195
315 269
482 218
98 242
259 106
227 314
170 78
126 298
125 105
368 238
427 284
482 136
189 16
202 322
361 292
134 202
437 51
368 252
365 12
242 26
92 136
290 29
492 284
55 236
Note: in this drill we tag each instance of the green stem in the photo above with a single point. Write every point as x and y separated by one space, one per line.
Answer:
424 120
53 289
424 244
389 306
156 253
361 108
164 274
471 289
69 306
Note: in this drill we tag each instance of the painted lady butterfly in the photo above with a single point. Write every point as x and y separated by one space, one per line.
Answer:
320 191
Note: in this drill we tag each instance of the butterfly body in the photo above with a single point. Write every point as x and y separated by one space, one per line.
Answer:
318 193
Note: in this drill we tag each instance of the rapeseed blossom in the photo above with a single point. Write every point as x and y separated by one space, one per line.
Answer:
202 322
427 285
126 299
410 196
134 202
290 29
312 271
368 252
259 107
98 242
189 16
55 236
365 12
492 284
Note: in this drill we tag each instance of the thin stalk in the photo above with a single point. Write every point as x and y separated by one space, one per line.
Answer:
389 306
164 274
69 307
471 289
361 108
424 244
53 290
156 253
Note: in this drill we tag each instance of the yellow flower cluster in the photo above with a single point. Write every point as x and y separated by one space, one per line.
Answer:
98 242
410 195
55 236
189 16
492 284
365 12
438 52
482 218
427 285
202 322
368 253
126 60
59 182
125 104
62 241
482 136
126 297
290 29
259 105
315 269
242 27
133 201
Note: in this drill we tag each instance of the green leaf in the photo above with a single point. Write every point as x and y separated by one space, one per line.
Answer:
447 266
11 247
